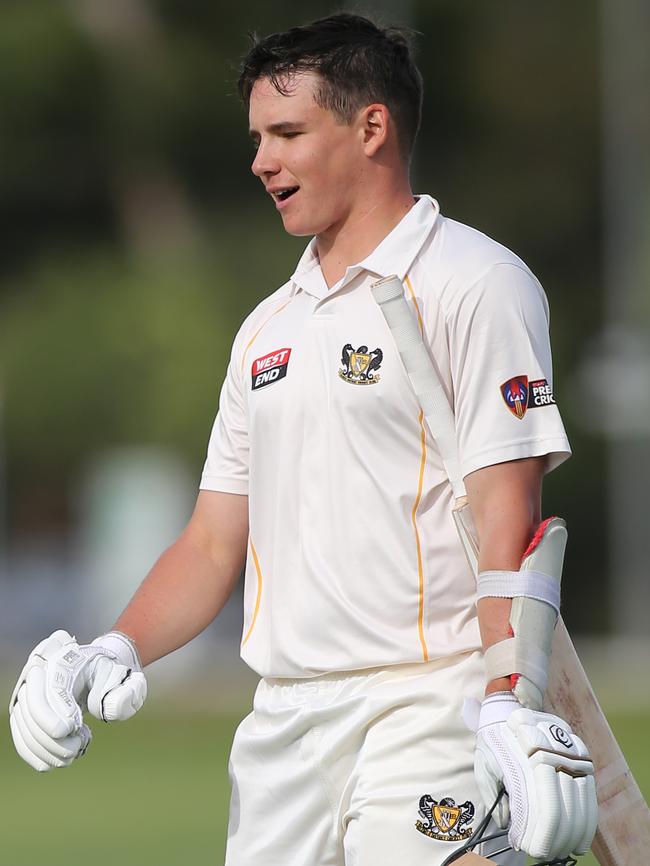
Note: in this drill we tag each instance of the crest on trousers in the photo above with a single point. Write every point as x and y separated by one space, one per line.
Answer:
359 366
444 820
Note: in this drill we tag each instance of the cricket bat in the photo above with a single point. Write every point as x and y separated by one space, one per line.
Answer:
623 835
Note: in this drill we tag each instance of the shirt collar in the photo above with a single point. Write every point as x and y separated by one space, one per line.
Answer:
393 255
308 275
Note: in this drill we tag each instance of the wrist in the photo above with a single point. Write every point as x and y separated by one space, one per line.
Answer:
500 684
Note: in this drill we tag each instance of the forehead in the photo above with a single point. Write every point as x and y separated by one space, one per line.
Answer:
297 100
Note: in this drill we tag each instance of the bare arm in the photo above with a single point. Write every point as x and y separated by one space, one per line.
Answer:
192 580
505 500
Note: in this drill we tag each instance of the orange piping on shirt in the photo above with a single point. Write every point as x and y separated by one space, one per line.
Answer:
259 591
408 282
263 325
423 463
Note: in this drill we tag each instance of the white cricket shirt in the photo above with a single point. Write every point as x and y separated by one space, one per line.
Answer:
353 558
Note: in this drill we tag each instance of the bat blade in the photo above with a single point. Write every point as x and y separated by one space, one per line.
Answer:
623 835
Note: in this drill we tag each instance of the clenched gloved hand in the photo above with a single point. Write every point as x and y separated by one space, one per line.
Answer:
62 679
547 773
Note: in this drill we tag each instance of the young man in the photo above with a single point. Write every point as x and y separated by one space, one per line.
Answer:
361 612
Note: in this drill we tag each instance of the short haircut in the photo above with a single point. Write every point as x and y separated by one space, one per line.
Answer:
357 61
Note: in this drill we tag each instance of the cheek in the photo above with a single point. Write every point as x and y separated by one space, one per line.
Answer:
335 171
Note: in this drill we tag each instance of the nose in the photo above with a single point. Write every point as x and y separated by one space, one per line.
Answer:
265 163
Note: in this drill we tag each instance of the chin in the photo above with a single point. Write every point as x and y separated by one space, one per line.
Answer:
299 228
302 224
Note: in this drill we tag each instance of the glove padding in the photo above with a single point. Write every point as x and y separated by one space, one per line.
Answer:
546 772
59 681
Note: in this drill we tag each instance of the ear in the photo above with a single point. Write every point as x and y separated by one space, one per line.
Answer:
375 121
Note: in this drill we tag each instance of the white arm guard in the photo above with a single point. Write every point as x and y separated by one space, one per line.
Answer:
535 593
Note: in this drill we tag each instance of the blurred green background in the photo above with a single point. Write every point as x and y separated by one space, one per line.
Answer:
134 242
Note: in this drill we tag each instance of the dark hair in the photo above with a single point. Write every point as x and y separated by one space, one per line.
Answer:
358 63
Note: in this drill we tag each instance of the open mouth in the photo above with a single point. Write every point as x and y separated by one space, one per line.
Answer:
284 194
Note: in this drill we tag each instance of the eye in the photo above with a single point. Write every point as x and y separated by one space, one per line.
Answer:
291 134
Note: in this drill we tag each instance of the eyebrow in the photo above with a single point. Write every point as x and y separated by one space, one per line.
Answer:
278 128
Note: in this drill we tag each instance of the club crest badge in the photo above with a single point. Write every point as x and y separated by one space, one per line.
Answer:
359 366
521 394
444 820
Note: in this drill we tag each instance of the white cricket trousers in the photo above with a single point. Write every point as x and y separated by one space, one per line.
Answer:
369 768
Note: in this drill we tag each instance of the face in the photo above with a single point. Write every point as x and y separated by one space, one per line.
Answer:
308 160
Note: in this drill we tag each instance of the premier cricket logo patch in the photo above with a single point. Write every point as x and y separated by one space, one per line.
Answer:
270 368
521 394
444 820
359 366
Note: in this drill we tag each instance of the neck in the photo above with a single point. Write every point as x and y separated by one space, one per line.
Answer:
363 229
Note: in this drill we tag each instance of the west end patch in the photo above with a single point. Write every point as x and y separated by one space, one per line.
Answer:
270 368
521 394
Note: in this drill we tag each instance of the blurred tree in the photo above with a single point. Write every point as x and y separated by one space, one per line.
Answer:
105 351
53 159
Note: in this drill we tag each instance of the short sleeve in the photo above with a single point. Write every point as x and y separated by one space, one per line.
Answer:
226 465
501 367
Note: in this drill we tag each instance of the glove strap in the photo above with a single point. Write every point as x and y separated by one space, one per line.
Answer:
496 708
121 646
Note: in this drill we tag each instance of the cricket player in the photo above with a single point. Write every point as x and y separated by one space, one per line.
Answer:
398 695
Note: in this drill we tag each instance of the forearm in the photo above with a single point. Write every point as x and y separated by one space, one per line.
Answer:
180 596
502 551
192 580
505 503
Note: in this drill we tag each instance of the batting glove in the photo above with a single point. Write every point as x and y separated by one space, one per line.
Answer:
546 772
60 680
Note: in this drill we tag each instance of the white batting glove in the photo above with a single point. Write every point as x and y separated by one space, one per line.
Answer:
547 773
60 680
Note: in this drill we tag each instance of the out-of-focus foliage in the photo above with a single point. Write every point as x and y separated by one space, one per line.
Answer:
54 164
135 239
125 372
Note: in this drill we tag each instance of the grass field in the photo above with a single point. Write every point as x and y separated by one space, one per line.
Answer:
155 791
